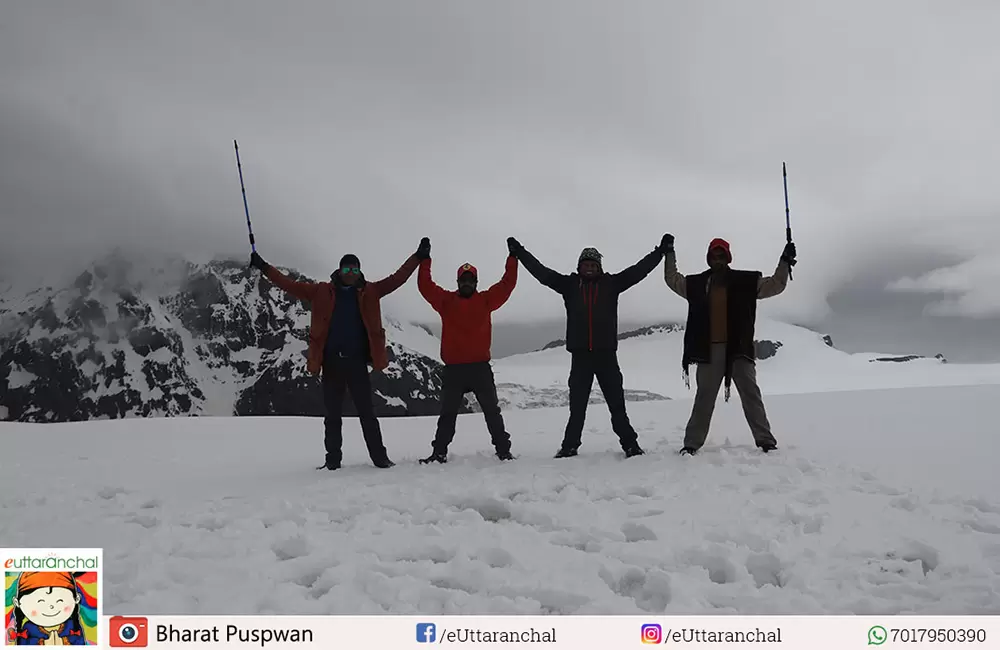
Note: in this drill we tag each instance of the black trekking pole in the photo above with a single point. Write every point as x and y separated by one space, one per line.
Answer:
788 223
253 246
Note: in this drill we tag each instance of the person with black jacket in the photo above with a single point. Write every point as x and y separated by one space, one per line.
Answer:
591 299
719 336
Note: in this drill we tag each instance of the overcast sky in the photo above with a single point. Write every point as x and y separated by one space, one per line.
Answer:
366 125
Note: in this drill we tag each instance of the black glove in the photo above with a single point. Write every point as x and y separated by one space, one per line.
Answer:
257 261
788 255
514 247
424 250
667 243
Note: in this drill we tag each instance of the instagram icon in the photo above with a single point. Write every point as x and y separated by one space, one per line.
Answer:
652 633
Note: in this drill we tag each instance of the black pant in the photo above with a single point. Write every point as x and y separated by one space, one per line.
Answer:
457 380
339 375
603 365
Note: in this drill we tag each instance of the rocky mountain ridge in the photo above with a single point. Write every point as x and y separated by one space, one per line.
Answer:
185 339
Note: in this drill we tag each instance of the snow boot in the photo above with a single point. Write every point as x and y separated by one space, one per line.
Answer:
767 447
634 450
566 453
329 465
384 463
434 458
688 451
505 455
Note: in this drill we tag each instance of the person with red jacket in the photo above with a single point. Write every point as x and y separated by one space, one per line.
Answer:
345 337
466 338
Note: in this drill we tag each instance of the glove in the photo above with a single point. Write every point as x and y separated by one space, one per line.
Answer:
788 255
424 249
257 261
514 247
667 243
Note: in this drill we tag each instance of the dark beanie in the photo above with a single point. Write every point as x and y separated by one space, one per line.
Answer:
350 260
591 254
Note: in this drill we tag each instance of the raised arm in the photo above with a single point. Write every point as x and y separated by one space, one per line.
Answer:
773 285
387 285
500 292
675 280
633 275
302 290
432 293
551 279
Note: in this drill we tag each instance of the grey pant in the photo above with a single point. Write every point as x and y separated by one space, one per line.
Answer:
709 378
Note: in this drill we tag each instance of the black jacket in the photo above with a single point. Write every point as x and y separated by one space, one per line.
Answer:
591 305
741 317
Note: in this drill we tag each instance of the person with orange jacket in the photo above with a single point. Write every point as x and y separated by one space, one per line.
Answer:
345 337
466 338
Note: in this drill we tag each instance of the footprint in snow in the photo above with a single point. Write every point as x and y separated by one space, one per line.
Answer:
983 527
982 505
146 521
651 590
291 548
107 493
637 532
496 557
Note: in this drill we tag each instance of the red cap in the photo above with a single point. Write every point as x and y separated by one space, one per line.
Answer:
467 268
718 242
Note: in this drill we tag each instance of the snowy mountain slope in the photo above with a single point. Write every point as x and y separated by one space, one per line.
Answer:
792 359
129 339
855 513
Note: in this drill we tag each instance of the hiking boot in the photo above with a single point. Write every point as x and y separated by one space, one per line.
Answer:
384 463
434 458
688 451
766 447
566 453
330 465
505 455
634 450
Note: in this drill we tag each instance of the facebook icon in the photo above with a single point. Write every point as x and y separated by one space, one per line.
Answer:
426 633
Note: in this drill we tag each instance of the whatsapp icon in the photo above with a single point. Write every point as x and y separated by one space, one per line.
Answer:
877 635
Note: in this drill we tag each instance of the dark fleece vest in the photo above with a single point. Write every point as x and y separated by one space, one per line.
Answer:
741 316
347 335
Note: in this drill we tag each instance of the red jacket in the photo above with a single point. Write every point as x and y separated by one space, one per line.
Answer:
321 297
466 323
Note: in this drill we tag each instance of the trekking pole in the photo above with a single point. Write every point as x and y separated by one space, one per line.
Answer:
253 246
788 223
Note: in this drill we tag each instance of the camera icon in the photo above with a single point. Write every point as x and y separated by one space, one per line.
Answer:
129 632
652 633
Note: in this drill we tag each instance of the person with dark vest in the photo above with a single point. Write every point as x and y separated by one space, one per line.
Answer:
719 336
466 339
345 337
591 299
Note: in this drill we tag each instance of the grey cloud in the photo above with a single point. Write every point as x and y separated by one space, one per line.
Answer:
366 125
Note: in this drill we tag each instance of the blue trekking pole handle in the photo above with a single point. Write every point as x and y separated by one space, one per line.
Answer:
788 222
253 245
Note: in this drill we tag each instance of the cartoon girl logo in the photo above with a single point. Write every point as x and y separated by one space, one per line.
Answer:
47 609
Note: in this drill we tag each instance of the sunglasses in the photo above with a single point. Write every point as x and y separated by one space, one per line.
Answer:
347 270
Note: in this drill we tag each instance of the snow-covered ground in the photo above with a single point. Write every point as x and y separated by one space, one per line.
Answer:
881 501
803 364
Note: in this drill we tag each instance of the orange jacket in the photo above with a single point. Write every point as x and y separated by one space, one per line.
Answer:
322 297
466 323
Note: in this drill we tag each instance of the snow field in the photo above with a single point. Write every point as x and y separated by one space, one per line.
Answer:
228 516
